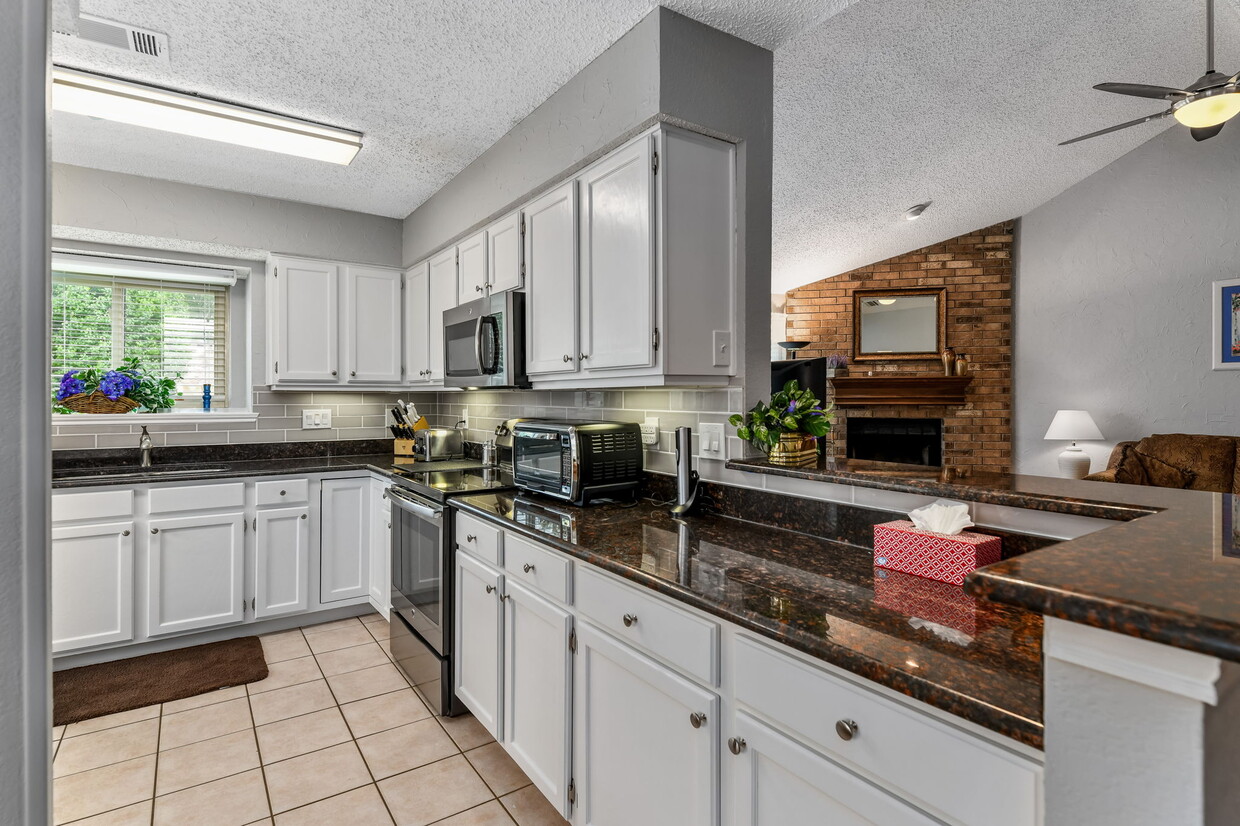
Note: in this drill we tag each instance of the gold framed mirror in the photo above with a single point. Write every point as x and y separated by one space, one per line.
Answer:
899 325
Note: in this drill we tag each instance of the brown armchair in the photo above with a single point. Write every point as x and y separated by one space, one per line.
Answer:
1176 460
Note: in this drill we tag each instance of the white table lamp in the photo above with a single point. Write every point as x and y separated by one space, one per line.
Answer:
1073 426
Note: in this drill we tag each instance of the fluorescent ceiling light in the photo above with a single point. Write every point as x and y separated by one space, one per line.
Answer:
100 97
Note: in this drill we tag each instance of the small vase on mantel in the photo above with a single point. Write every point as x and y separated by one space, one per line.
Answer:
962 365
794 450
949 361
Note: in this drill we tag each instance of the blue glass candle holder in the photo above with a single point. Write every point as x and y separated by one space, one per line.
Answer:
206 397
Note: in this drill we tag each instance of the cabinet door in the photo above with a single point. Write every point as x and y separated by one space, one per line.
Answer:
92 585
417 324
281 561
441 292
617 260
372 325
504 253
537 691
195 572
551 282
307 300
344 550
471 257
776 782
633 721
479 641
380 548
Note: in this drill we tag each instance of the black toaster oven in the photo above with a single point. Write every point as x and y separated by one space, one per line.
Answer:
577 460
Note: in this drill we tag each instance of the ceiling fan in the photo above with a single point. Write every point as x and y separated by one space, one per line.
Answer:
1203 106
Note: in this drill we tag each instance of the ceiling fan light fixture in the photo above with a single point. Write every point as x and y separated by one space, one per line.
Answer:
1209 108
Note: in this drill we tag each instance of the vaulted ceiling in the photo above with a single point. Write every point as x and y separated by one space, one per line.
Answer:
879 104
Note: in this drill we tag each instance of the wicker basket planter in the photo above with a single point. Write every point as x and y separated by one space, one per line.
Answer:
97 402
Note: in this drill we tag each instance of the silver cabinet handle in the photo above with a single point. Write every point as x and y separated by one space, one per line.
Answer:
584 356
477 289
125 533
469 537
567 359
389 526
697 719
846 729
352 372
154 530
528 568
490 589
736 745
629 620
333 372
503 597
283 492
303 516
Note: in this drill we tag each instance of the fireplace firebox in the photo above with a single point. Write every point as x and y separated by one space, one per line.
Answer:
907 441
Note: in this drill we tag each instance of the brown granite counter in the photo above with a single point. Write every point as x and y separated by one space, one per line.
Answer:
1168 570
930 641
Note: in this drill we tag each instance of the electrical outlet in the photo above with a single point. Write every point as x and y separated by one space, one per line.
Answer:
711 441
316 419
592 398
465 417
650 432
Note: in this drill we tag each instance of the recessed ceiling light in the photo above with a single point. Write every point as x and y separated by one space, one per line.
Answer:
914 212
101 97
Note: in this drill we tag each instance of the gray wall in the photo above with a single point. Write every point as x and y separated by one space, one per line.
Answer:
25 761
1112 298
119 208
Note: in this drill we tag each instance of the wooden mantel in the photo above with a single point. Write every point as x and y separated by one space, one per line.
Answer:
884 390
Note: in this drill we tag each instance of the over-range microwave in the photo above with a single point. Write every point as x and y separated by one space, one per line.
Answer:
484 342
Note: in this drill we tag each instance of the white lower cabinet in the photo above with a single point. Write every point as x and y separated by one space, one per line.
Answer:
479 641
92 585
538 690
778 782
345 548
195 572
380 548
646 740
281 561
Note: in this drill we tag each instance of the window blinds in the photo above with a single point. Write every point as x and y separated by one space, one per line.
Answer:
172 326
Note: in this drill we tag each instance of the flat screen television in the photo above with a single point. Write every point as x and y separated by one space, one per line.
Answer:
811 373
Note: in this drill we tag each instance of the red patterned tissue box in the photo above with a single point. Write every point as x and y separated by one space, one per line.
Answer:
901 547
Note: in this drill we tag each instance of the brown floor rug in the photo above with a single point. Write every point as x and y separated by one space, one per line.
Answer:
95 690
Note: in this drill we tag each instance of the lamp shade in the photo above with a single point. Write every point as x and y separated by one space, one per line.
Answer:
1073 426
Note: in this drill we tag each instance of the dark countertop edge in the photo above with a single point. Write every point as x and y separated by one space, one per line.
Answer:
377 463
1029 500
1178 629
976 711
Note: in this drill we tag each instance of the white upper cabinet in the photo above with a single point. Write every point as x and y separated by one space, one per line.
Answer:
504 253
472 267
417 323
372 328
442 295
551 282
305 321
617 259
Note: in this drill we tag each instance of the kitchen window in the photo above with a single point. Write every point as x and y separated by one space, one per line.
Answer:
173 318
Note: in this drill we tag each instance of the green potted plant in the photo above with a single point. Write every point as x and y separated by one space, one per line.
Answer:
127 388
787 428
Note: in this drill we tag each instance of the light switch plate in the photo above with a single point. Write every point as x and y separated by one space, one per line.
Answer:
722 348
316 419
711 442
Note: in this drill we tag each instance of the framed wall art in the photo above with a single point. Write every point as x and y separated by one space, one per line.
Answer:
1226 341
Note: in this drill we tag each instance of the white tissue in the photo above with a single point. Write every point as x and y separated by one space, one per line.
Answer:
942 516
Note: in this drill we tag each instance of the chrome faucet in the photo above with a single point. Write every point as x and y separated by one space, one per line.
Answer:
144 445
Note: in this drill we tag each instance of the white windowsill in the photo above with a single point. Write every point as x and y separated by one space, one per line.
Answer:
181 417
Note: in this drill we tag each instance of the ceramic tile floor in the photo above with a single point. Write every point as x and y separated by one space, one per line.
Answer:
334 735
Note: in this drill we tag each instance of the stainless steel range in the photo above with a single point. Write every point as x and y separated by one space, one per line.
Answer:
422 565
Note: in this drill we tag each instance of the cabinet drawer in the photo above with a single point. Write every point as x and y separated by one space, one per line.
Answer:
197 498
283 492
940 768
542 568
675 636
479 538
96 505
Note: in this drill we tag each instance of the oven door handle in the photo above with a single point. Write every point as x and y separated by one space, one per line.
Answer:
405 503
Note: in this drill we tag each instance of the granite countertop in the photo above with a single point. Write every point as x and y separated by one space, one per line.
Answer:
1168 570
980 661
134 475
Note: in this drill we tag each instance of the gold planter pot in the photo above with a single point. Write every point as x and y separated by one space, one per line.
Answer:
794 450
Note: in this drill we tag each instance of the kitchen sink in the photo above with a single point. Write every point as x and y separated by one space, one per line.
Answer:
131 472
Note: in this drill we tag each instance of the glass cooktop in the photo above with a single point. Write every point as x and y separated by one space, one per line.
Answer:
440 480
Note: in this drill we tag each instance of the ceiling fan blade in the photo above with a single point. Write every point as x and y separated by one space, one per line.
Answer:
1109 129
1143 90
1202 133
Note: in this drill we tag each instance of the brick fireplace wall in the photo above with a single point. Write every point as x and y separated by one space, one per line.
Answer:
976 270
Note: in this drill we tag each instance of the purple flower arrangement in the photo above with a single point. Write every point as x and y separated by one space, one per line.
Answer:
115 384
70 385
131 380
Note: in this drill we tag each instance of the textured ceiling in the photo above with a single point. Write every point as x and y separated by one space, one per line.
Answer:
891 103
430 83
